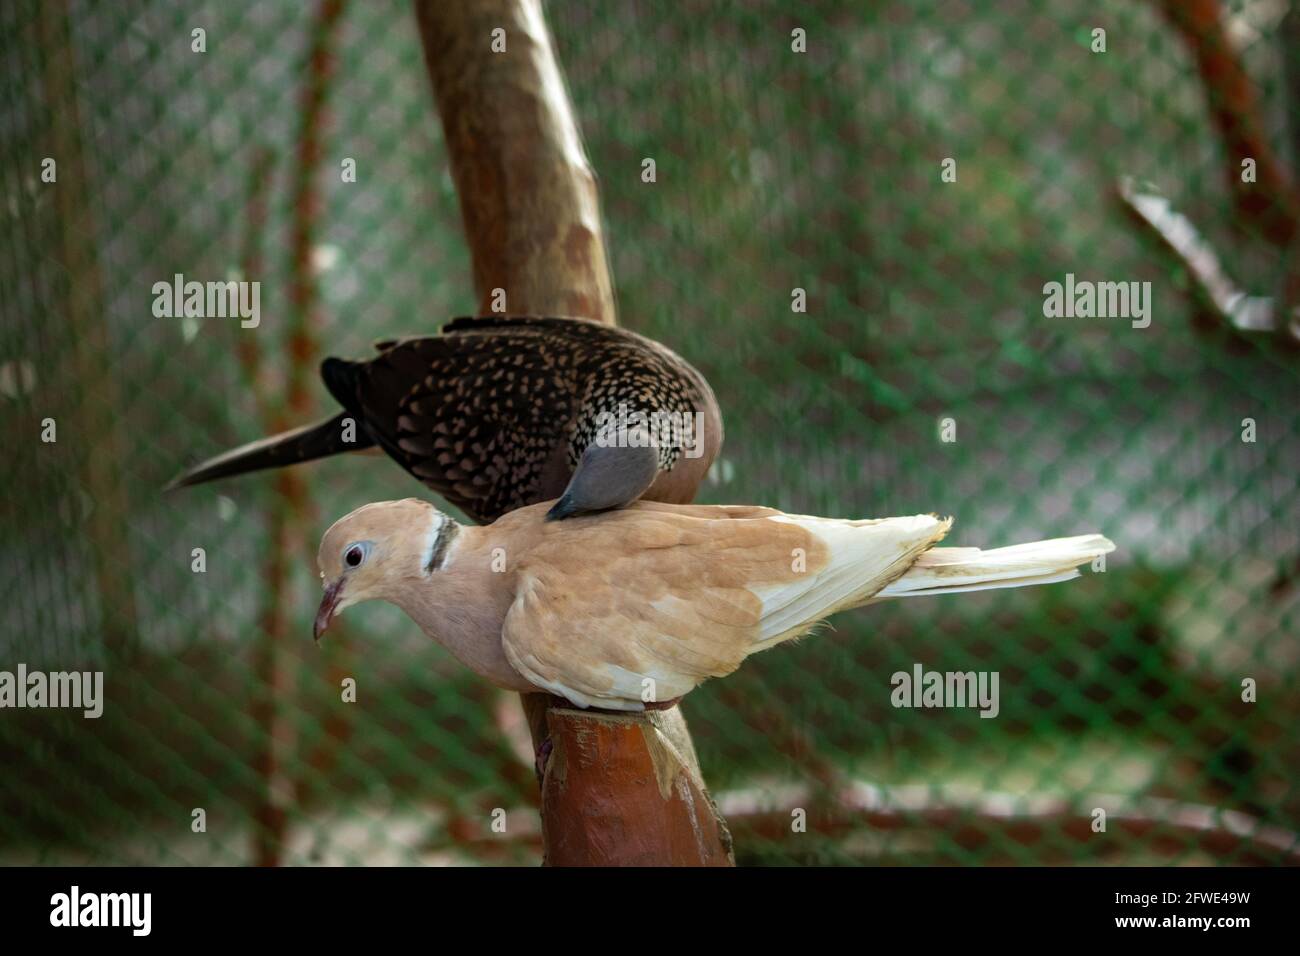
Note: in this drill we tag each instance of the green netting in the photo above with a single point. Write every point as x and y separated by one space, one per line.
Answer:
775 171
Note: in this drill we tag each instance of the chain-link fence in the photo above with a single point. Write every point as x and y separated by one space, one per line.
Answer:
854 213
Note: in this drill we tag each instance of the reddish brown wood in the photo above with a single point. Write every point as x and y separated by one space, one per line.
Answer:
527 193
617 789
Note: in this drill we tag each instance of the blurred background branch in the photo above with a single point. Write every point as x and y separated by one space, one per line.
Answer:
93 424
292 516
1269 202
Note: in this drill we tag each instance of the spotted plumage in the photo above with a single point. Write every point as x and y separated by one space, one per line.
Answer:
500 412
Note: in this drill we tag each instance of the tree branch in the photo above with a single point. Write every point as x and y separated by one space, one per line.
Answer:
1271 203
96 414
274 662
617 789
528 195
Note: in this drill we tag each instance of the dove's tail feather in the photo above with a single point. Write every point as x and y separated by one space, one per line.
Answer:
330 437
954 570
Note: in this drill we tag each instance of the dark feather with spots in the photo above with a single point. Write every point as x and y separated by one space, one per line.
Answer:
495 413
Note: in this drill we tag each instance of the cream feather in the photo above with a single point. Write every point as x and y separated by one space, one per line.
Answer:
647 602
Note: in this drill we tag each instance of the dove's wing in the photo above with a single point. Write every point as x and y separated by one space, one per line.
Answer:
646 603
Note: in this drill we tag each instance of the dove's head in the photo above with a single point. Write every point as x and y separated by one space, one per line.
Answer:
375 551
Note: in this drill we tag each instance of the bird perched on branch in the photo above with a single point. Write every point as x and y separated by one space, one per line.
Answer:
497 413
639 606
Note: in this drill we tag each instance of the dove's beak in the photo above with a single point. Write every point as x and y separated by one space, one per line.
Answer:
329 603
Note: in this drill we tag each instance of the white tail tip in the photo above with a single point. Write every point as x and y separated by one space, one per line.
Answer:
954 570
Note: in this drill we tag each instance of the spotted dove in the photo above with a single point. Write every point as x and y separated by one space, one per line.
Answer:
497 413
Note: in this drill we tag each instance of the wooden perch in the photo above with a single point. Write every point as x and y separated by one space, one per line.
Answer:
617 789
625 791
528 195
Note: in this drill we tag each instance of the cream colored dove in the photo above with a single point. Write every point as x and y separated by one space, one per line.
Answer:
639 606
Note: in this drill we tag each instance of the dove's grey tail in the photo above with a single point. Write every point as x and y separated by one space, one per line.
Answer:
344 432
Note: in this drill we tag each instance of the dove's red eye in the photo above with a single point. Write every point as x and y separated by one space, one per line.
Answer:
354 556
